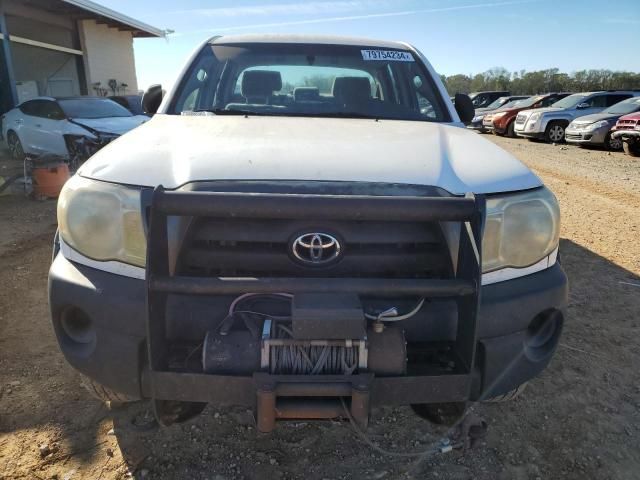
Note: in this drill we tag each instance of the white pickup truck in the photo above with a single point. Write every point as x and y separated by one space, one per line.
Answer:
304 228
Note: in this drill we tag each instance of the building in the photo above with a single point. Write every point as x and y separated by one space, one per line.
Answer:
66 47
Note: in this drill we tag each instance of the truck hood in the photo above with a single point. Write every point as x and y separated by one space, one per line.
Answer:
172 150
117 125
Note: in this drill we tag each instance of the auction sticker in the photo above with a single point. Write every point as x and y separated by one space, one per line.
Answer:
387 55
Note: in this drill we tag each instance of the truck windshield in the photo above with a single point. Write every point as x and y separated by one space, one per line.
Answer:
309 80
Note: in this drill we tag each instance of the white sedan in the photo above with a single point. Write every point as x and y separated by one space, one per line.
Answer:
73 127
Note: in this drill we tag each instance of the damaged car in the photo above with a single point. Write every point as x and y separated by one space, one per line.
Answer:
305 228
73 128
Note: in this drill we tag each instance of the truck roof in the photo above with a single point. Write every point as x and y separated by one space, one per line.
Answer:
313 39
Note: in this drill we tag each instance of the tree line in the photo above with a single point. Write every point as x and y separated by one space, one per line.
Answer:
541 81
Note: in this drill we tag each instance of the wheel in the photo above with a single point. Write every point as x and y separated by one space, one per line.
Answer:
510 129
15 146
105 394
507 397
612 143
632 149
554 132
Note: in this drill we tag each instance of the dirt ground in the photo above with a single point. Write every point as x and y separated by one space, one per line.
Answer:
579 420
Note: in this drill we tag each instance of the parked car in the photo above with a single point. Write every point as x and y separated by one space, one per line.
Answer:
549 123
261 233
627 130
484 99
596 129
133 103
69 127
502 121
500 103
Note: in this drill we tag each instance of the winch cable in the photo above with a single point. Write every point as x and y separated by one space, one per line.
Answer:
443 445
227 322
310 359
391 314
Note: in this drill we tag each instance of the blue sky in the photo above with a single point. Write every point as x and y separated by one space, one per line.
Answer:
457 36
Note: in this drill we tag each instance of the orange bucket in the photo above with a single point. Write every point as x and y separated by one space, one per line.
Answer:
48 181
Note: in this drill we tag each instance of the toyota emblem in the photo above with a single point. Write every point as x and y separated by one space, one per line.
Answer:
316 248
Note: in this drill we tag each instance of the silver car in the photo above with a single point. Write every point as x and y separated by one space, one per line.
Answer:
596 129
548 124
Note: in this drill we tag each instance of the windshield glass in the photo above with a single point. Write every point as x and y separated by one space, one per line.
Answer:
511 104
92 108
570 101
309 80
629 105
498 103
527 102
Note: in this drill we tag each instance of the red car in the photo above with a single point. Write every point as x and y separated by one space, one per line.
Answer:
502 121
627 128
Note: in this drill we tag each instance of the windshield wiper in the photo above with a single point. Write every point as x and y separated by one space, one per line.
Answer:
285 113
222 111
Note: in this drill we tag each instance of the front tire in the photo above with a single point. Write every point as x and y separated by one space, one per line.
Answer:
510 129
15 146
632 149
613 143
554 132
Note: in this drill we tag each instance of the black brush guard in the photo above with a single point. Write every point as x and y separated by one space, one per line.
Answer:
317 396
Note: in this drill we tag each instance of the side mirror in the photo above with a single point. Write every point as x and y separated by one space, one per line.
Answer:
582 106
464 107
152 98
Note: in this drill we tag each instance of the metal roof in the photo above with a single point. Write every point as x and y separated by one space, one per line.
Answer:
110 17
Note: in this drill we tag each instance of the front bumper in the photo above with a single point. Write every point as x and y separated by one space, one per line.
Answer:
116 356
627 135
478 126
529 134
586 137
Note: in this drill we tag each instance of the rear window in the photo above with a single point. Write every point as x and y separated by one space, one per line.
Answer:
310 80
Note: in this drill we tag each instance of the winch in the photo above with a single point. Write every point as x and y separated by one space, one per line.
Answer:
323 335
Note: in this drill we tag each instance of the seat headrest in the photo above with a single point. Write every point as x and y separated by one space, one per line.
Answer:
302 94
351 89
260 83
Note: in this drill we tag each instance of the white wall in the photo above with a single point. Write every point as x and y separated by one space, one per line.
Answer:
108 53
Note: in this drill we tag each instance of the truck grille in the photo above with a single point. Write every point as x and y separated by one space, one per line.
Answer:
623 124
521 118
217 247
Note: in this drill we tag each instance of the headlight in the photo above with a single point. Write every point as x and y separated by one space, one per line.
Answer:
498 115
597 125
477 118
534 117
102 221
520 230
